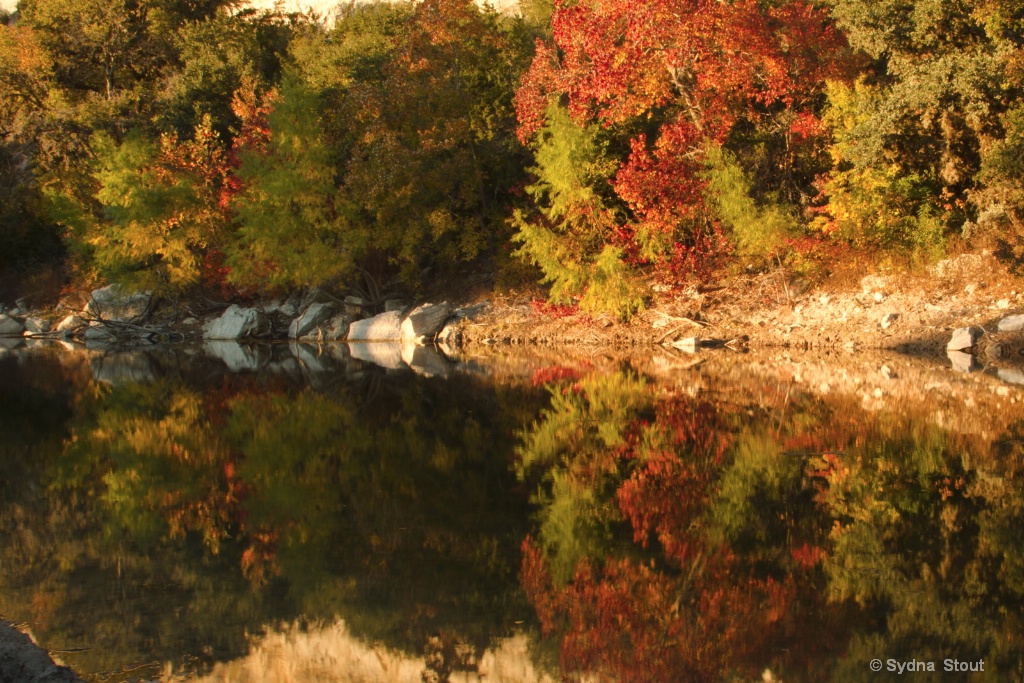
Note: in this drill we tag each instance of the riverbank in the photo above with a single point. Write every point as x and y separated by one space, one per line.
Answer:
902 311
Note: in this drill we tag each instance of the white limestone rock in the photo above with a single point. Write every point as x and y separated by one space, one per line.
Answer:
383 327
964 338
237 323
113 303
10 327
311 317
424 321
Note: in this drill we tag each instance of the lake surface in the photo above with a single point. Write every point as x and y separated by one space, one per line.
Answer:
324 514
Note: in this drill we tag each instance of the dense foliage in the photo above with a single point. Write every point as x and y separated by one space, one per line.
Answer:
614 145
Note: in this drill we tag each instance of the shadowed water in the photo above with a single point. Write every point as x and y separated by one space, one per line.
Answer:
325 514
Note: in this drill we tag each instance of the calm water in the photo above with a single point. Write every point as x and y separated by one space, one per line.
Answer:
315 514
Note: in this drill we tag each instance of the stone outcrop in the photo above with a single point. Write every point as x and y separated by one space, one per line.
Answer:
10 327
311 317
237 323
113 303
383 327
424 321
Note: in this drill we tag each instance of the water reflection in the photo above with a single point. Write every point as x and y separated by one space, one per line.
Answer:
695 538
279 512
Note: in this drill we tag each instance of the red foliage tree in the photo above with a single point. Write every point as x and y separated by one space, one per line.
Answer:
675 76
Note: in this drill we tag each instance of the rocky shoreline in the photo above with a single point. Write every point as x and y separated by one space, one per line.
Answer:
970 308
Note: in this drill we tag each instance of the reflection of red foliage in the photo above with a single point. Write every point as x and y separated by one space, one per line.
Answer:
553 374
671 486
631 623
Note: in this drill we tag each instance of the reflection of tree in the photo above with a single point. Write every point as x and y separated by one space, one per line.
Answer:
178 518
808 545
617 451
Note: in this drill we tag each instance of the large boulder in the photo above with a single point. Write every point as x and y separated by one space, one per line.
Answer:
311 317
424 321
383 327
113 303
964 338
237 323
10 327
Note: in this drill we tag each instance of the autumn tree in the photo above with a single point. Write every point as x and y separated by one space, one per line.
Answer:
665 82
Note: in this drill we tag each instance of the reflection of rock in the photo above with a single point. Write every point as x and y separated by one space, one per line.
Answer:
385 354
112 303
311 357
1012 323
962 362
383 327
306 323
238 357
10 326
424 360
9 343
122 368
449 339
237 323
964 338
1011 375
329 653
424 321
97 336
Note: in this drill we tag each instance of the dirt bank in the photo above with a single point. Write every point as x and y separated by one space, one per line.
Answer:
913 312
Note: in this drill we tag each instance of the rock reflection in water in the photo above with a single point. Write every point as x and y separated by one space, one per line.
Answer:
331 654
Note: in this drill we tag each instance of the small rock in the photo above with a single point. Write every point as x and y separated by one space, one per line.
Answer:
394 305
425 320
36 326
9 326
887 372
1012 323
1003 304
964 338
879 297
969 289
888 319
962 362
